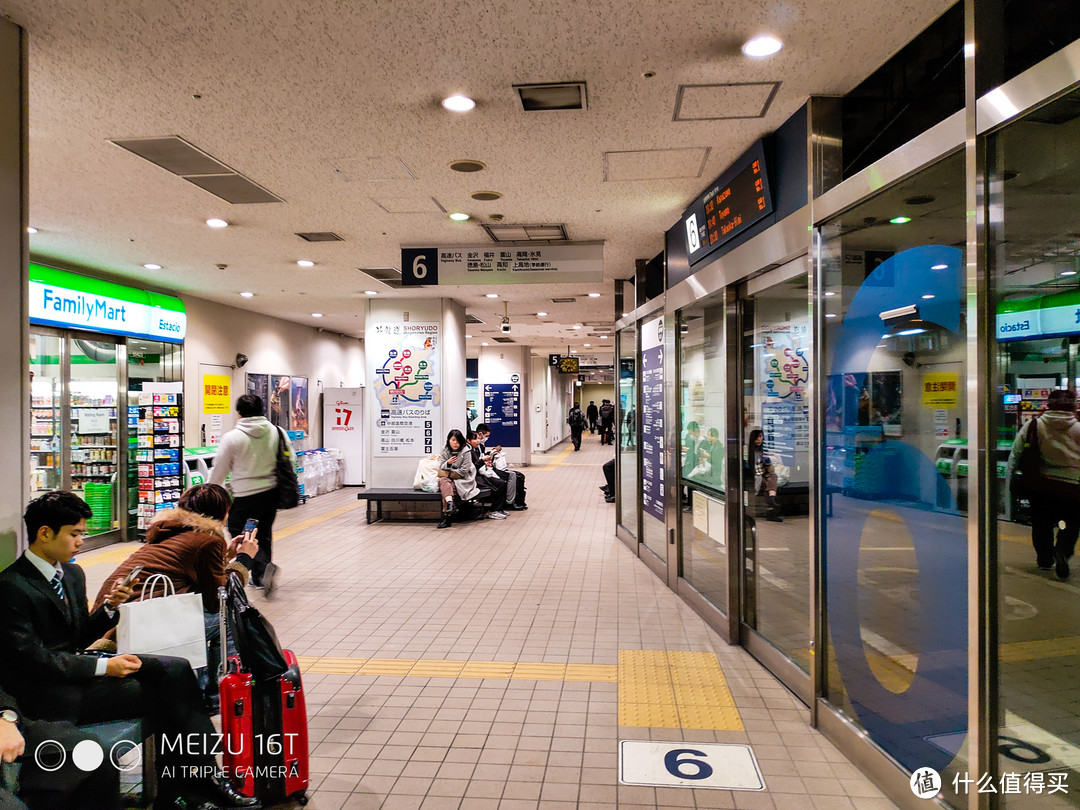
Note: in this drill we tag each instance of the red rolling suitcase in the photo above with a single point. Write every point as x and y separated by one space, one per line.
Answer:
264 724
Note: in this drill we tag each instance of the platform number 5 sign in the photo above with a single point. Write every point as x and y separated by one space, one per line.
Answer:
419 266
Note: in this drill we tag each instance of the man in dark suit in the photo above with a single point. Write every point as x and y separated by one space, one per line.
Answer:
68 787
44 629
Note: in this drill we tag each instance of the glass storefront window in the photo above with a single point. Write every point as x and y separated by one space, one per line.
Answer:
894 486
46 462
1035 278
702 404
629 480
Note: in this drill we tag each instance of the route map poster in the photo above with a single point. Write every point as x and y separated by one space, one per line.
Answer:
406 388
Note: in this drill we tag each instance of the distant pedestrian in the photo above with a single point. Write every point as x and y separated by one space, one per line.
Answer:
593 414
607 422
577 421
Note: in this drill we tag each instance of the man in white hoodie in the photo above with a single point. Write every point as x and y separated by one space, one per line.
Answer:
249 452
1057 497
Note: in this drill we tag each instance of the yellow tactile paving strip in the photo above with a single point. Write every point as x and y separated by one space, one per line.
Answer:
675 689
657 689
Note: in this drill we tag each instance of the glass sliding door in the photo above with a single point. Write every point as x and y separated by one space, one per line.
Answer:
702 449
775 475
894 469
93 394
1034 245
629 481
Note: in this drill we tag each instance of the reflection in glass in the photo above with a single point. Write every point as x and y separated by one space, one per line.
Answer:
702 358
894 482
776 345
1035 250
629 480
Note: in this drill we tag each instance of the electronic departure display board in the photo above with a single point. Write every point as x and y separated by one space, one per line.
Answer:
568 365
739 198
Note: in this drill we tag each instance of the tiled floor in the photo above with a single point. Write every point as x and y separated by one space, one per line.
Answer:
553 587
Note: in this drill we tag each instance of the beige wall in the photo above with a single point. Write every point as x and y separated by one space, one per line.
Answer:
215 333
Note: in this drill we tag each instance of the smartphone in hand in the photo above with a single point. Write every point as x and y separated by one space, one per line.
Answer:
251 525
131 576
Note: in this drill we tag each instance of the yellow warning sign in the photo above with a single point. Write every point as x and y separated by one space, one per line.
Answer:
939 389
216 395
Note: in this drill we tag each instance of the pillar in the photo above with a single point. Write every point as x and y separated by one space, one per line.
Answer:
415 368
14 327
505 390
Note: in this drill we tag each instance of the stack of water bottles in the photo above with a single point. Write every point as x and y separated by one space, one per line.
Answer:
319 472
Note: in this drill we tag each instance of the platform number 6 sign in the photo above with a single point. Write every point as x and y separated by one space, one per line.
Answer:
419 266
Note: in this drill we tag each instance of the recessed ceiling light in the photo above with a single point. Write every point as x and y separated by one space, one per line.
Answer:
316 314
573 351
484 343
246 294
1068 272
928 296
491 295
911 332
940 267
305 263
152 266
829 293
900 220
576 326
762 46
830 314
541 314
587 345
594 295
31 230
459 216
458 103
468 337
370 292
217 223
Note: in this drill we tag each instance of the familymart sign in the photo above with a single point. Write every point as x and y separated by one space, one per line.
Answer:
70 301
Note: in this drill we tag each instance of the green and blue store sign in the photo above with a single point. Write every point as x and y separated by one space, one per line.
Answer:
1040 317
70 301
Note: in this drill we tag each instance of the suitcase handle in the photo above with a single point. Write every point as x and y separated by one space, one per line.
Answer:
223 632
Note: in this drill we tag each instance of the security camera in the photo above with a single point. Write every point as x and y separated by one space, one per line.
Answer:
241 360
505 326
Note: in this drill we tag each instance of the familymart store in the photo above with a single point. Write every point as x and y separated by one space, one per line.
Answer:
97 350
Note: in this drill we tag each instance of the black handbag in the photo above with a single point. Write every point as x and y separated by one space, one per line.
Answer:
287 489
1026 478
256 642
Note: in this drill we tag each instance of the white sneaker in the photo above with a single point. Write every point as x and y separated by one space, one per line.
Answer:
496 515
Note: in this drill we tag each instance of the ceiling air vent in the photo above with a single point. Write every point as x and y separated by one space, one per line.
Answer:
390 276
563 300
472 319
320 236
503 340
192 164
526 233
556 96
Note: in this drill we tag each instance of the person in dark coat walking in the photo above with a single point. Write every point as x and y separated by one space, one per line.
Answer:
593 414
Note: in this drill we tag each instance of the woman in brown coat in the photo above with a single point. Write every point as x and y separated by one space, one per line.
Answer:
188 545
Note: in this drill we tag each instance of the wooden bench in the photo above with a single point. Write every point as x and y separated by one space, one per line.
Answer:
401 503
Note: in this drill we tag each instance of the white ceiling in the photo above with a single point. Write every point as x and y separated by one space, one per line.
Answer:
289 90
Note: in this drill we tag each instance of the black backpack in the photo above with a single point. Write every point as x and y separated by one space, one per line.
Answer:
577 419
287 488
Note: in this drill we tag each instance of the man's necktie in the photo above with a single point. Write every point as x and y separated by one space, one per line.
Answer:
58 586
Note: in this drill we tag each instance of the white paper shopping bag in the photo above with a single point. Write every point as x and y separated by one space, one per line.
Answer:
167 625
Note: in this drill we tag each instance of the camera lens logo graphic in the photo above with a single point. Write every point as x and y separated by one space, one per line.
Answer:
87 755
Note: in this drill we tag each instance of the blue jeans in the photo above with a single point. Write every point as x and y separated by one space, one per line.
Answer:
208 676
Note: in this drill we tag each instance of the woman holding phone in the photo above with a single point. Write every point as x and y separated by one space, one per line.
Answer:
189 545
457 476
